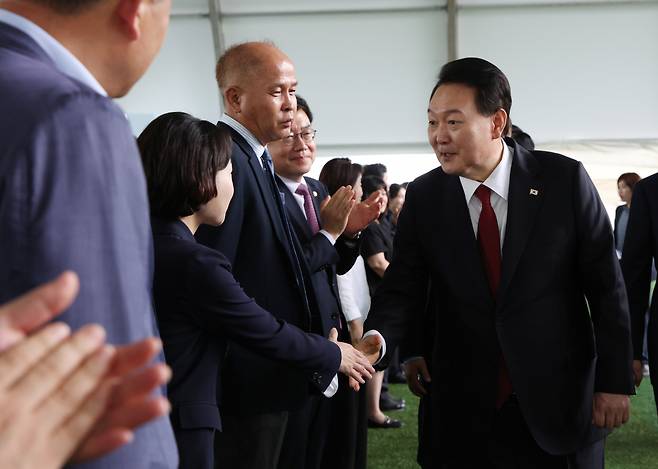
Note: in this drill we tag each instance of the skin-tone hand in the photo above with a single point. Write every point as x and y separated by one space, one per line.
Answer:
370 347
52 393
124 390
637 372
414 368
364 213
32 310
353 363
335 210
610 410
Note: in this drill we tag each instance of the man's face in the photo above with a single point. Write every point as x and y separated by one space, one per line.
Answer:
460 136
267 99
293 157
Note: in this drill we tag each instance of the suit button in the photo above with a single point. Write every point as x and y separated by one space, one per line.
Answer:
334 316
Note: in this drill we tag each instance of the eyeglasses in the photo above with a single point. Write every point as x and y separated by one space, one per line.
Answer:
307 136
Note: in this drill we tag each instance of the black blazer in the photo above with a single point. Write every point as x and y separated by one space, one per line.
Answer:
199 305
558 256
324 260
253 239
640 251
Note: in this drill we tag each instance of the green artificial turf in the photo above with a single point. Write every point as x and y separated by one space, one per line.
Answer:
634 446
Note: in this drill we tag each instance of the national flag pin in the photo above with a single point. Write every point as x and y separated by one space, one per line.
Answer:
534 192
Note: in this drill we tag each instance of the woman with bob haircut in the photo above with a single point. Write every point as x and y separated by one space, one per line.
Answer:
198 303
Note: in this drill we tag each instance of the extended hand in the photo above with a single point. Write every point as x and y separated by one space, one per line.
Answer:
610 410
414 369
335 210
364 213
353 363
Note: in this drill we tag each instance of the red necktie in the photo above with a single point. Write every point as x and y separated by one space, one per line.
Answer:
309 209
489 241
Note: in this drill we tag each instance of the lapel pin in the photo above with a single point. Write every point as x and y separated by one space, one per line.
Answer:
534 192
315 194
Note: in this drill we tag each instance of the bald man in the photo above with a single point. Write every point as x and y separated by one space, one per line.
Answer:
258 396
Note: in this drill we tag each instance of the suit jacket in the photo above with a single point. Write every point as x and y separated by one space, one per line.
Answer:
253 239
558 257
73 196
324 260
640 251
199 305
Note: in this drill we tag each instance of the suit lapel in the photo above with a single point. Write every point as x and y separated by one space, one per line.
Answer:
524 199
297 218
263 185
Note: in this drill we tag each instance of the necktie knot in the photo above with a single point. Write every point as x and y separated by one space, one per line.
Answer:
267 161
302 190
484 194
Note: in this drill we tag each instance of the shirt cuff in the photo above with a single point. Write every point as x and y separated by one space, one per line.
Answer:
332 388
382 352
329 237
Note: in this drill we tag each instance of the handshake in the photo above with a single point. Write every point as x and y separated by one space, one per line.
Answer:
356 361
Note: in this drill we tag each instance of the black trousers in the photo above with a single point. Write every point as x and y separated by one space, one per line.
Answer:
511 446
195 448
306 435
250 442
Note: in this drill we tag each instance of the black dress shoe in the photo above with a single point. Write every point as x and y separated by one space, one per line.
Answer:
390 403
387 423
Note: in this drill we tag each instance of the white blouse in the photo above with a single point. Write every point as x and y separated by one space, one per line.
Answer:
353 291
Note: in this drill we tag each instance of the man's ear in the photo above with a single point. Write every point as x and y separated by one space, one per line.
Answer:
233 99
498 121
129 13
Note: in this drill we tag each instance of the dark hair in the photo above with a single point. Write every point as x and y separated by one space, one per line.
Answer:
67 7
302 105
371 184
630 179
490 84
522 138
181 156
405 185
375 169
339 172
395 189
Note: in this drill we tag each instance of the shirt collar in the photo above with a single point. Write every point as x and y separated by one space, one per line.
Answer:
290 184
498 180
253 142
64 60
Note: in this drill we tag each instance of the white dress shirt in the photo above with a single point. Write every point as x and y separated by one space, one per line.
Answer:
498 182
64 60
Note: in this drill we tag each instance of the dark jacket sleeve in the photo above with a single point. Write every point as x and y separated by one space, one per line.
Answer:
636 263
222 305
604 289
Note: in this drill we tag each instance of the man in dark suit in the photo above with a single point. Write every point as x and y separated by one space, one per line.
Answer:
258 85
640 252
327 430
514 245
72 190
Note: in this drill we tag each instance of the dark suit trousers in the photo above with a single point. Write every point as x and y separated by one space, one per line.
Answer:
250 441
511 446
195 448
306 435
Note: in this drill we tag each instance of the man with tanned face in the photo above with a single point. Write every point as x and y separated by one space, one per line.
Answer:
258 85
72 189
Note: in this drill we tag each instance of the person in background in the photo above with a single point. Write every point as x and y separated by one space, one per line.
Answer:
72 189
396 194
198 302
625 185
376 169
68 397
